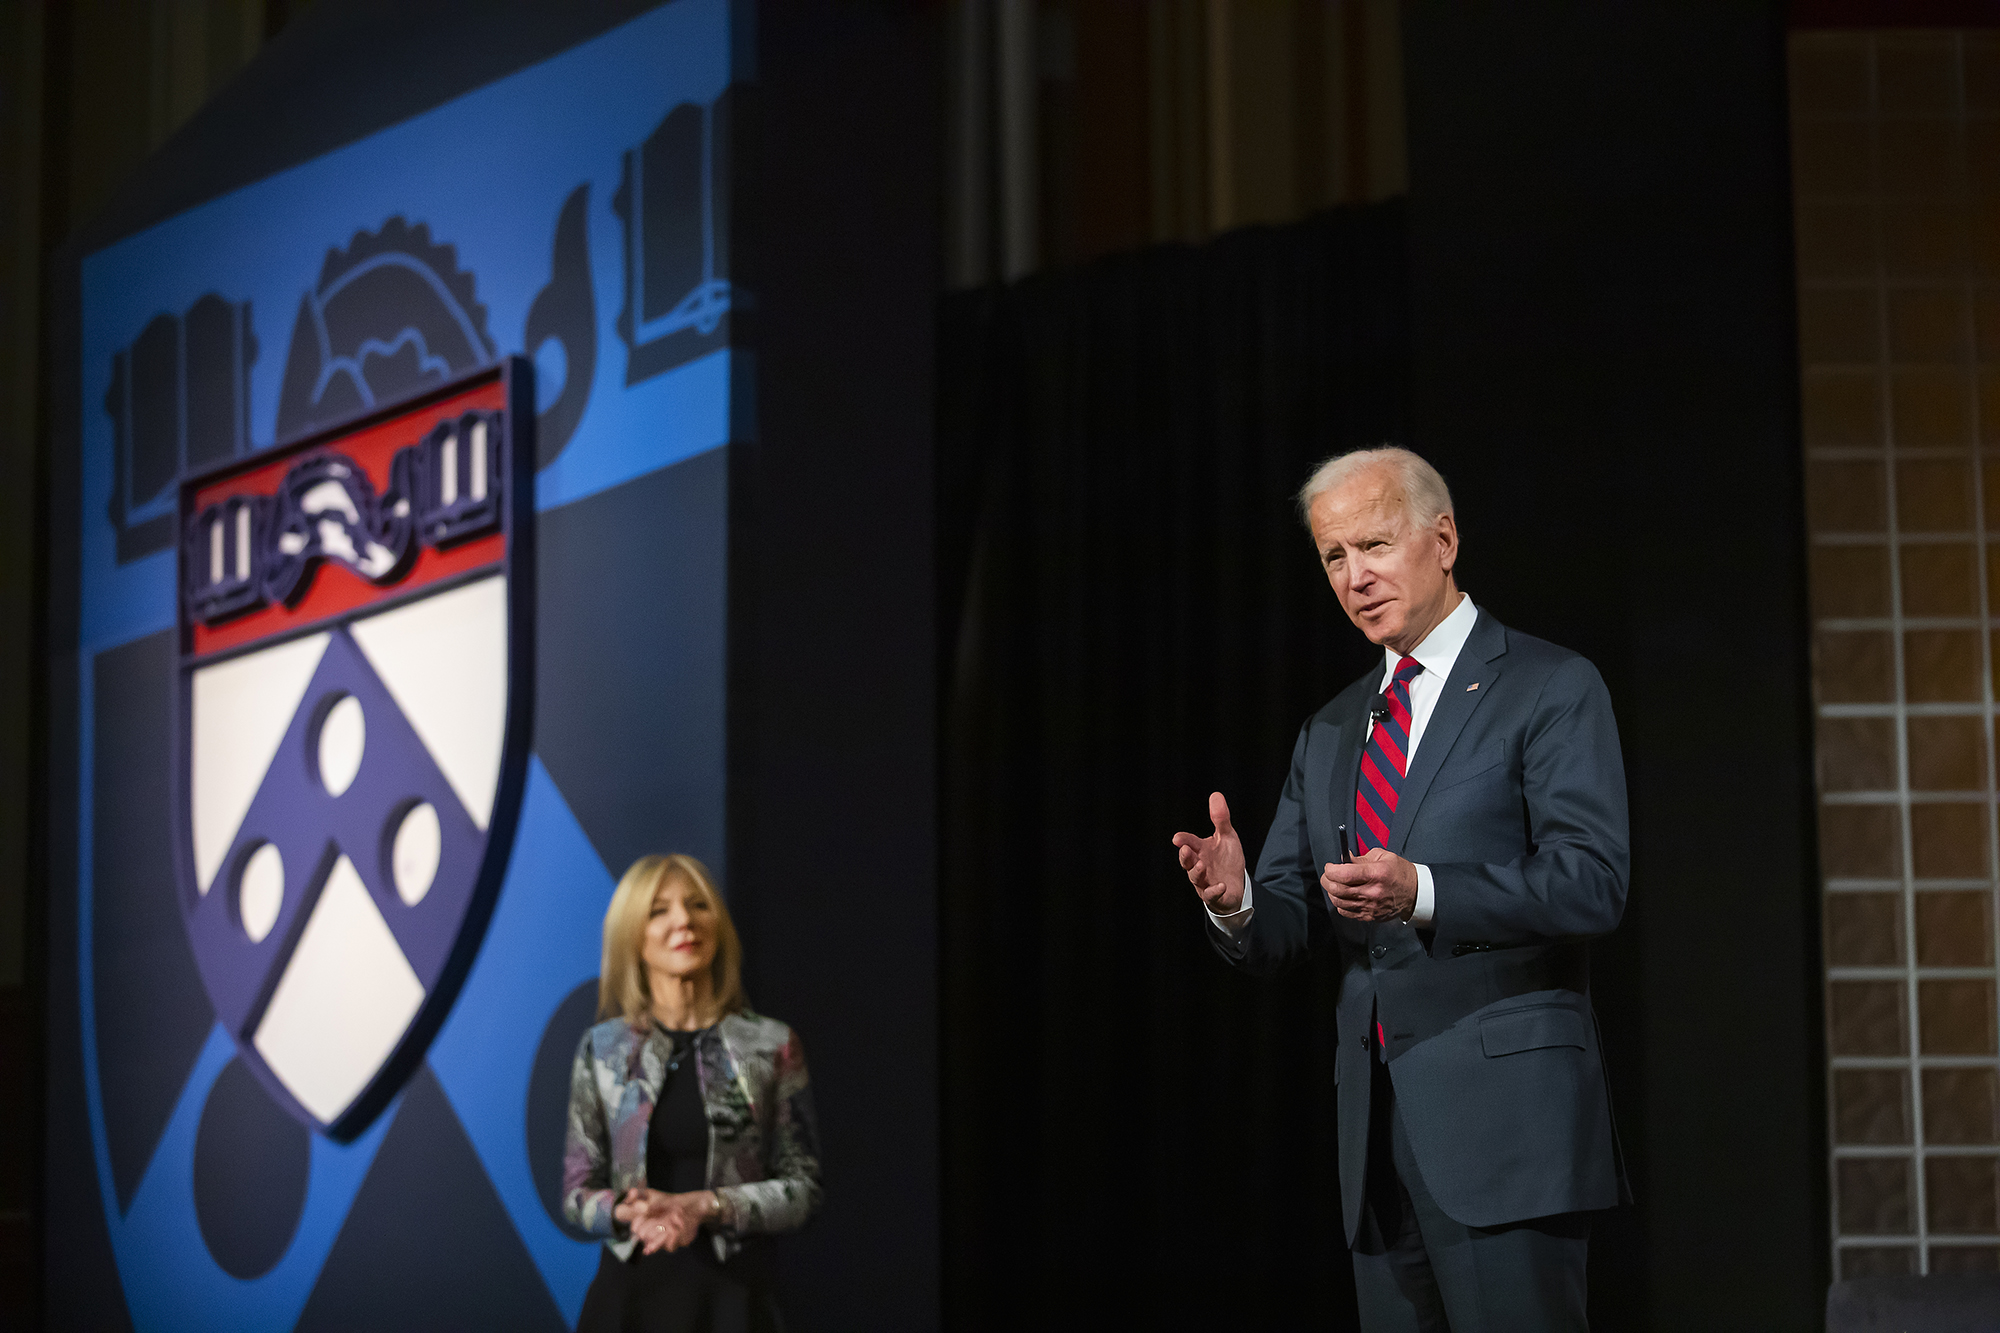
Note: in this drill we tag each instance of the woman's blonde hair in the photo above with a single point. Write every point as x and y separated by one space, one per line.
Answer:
622 989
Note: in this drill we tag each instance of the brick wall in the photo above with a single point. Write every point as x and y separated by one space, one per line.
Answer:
1896 159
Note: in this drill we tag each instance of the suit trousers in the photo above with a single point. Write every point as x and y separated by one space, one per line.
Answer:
1418 1271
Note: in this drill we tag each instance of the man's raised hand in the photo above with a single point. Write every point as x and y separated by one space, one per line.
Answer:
1214 864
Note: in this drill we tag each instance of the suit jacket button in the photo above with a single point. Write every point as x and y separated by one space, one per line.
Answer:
1379 950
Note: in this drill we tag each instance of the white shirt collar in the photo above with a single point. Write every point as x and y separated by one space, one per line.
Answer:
1440 648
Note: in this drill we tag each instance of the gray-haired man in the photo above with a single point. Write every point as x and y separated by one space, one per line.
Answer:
1478 777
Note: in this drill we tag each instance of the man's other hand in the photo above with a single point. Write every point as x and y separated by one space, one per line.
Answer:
1214 864
1379 886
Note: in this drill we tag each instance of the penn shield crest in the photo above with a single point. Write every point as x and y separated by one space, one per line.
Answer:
351 740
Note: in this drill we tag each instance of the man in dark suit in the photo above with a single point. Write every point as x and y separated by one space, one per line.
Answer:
1478 777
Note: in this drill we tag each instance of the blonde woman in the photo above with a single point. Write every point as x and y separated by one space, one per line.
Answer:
691 1134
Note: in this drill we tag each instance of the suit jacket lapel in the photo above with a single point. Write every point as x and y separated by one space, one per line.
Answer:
1347 769
1455 706
1329 794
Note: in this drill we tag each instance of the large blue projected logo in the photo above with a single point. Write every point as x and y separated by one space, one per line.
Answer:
349 435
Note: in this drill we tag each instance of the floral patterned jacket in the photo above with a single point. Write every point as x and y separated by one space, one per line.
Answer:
763 1143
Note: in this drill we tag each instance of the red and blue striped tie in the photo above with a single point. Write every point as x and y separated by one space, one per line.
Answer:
1384 762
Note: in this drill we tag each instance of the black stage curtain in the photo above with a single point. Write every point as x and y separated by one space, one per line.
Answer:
1133 1132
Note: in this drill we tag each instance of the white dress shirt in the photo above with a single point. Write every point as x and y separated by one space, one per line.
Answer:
1438 653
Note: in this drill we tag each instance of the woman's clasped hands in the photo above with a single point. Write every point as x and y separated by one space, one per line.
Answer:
662 1221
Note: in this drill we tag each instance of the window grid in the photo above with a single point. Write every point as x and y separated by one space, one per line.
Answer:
1901 625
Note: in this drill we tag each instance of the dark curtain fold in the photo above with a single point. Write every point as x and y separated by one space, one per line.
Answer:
1133 617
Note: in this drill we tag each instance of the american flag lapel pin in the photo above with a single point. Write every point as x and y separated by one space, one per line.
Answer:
1473 686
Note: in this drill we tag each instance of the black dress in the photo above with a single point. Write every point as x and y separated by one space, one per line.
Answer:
687 1290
